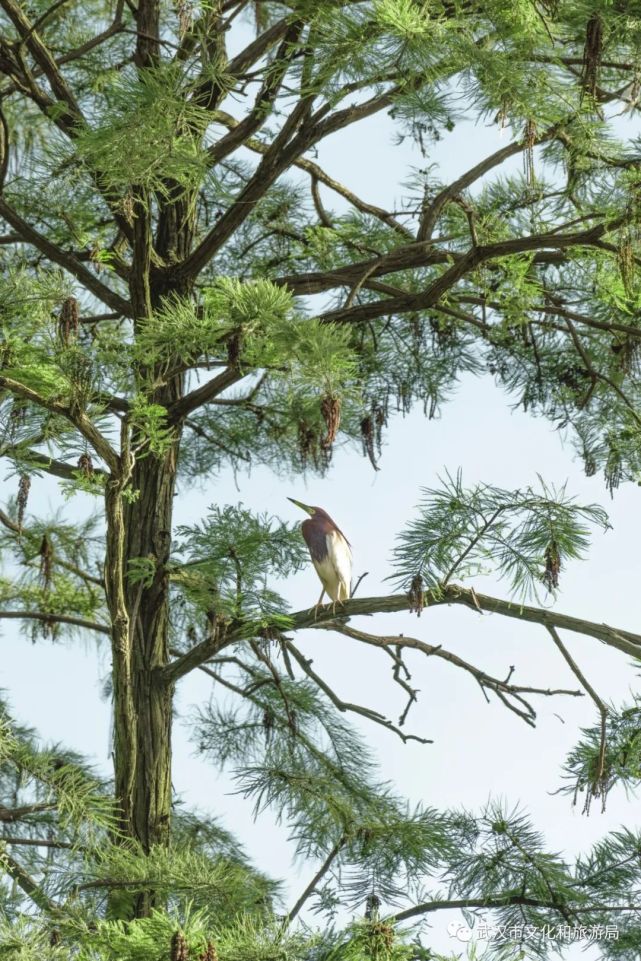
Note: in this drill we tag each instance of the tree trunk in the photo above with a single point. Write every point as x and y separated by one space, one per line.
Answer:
140 515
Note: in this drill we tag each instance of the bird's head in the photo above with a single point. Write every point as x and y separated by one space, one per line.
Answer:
312 511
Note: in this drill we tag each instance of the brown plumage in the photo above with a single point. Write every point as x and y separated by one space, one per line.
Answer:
330 552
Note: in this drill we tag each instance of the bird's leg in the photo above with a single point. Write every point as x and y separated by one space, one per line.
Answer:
318 604
338 601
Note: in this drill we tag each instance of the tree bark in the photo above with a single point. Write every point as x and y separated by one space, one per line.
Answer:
140 517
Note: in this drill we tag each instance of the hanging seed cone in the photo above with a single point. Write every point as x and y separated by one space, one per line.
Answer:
368 437
46 561
268 723
592 54
179 949
613 470
235 347
552 566
416 595
210 953
306 442
68 321
85 464
24 486
529 136
625 256
372 906
331 411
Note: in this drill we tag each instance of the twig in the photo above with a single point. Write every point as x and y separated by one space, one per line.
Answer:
345 706
320 874
510 694
599 780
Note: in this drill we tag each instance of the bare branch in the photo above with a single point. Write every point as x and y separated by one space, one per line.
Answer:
344 706
510 694
35 842
10 815
318 877
47 618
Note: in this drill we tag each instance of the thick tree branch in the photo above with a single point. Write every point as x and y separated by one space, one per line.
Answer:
264 99
11 815
283 151
205 393
43 58
193 658
462 266
625 641
49 465
502 901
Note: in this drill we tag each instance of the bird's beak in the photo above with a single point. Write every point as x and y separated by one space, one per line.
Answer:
303 507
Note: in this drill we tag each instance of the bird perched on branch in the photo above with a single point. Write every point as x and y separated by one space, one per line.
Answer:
330 552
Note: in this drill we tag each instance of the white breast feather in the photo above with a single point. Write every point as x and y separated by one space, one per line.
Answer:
335 571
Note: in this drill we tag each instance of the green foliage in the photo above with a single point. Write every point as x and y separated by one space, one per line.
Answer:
184 875
594 774
291 752
149 117
228 558
523 536
150 939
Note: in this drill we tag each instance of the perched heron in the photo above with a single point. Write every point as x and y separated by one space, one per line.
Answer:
330 552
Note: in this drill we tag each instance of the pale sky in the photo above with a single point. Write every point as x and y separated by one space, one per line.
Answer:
480 750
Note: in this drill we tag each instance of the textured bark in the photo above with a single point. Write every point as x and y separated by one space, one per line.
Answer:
140 526
148 535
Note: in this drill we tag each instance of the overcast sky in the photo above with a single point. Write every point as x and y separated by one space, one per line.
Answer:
480 750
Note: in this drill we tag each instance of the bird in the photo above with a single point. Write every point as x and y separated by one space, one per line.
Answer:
330 552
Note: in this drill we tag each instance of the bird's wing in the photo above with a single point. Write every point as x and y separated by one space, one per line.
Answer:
341 555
